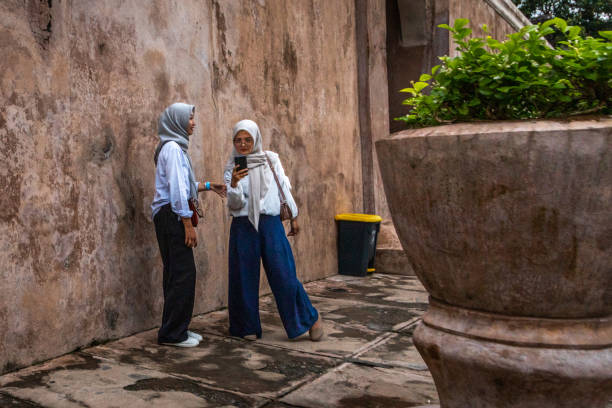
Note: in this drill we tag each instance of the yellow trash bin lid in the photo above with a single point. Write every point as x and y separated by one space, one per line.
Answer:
358 217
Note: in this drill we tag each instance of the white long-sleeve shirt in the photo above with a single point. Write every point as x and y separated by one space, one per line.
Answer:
238 198
172 181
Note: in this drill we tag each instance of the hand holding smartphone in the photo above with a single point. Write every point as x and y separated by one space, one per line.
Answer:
240 171
240 161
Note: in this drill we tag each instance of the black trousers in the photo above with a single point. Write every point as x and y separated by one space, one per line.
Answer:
179 276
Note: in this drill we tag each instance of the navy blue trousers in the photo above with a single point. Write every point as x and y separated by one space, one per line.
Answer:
246 247
179 276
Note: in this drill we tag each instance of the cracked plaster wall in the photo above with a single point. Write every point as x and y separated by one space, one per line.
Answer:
81 86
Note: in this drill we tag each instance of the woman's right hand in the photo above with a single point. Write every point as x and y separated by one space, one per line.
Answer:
238 175
191 239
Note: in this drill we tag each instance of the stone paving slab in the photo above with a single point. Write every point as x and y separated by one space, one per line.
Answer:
357 314
389 290
339 341
212 323
81 380
351 385
230 363
276 404
396 350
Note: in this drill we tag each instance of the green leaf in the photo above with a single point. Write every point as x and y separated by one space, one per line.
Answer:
546 31
419 86
445 26
461 22
461 33
464 110
574 31
424 77
606 34
493 43
435 69
561 24
558 22
559 85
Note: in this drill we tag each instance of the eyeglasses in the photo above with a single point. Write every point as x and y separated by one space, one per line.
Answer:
247 141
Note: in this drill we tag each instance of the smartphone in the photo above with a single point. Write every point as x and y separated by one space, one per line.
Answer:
240 161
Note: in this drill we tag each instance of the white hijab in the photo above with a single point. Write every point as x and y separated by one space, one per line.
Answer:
260 175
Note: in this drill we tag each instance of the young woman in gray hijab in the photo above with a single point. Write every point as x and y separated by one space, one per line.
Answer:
257 234
175 188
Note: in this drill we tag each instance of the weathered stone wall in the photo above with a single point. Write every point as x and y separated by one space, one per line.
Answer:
479 13
379 98
81 86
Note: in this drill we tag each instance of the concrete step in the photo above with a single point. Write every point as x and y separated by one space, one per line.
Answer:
390 256
392 261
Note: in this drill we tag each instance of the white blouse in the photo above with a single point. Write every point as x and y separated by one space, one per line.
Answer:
238 198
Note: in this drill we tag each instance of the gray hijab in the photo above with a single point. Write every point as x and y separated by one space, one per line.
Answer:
260 175
172 126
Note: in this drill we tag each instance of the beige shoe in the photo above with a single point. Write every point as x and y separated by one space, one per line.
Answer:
316 331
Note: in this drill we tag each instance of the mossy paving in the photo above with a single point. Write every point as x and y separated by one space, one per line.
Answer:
39 378
171 384
6 401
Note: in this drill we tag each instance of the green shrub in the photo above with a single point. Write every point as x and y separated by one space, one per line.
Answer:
519 78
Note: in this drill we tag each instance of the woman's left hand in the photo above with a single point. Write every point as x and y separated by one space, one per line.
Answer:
295 228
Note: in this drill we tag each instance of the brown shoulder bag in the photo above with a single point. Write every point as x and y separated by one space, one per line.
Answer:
285 211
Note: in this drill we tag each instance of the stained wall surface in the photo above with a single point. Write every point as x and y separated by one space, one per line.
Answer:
479 13
379 94
81 86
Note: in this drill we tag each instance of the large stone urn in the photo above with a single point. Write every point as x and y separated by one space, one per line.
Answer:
509 227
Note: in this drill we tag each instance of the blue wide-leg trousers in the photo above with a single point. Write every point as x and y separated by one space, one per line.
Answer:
270 245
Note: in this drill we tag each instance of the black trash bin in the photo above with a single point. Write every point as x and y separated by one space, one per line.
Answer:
357 234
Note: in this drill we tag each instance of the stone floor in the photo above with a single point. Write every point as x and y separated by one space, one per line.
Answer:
367 359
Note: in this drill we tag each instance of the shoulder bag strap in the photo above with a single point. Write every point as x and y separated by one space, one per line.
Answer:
280 189
156 155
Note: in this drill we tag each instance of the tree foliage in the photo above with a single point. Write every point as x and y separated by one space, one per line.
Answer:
591 15
519 78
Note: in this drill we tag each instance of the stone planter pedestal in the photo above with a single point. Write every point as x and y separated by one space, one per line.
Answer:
509 227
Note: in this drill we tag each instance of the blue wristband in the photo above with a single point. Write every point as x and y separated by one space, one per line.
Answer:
207 185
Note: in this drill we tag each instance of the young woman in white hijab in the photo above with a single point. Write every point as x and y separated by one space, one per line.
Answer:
175 186
257 234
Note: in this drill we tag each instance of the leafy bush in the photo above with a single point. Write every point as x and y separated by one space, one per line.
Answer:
519 78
